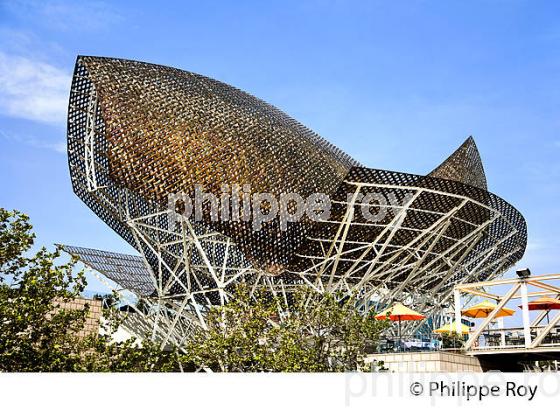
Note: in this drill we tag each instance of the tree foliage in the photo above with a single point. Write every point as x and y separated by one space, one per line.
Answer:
262 333
37 332
252 333
452 340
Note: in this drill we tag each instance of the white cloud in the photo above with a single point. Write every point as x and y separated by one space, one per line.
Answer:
24 42
66 15
58 146
33 90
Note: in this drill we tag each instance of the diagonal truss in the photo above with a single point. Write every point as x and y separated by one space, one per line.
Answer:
125 157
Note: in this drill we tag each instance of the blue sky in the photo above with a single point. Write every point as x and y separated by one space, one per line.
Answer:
397 85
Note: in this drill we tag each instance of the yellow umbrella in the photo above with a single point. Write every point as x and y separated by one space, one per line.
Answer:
397 313
484 309
452 328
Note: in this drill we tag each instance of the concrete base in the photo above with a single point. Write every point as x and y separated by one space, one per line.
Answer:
429 362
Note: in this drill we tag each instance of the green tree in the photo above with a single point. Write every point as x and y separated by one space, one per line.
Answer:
452 340
251 333
37 332
311 334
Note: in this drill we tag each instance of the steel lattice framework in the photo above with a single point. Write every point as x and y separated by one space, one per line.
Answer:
138 132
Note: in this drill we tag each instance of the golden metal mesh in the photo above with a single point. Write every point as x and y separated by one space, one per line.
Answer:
138 132
169 130
464 165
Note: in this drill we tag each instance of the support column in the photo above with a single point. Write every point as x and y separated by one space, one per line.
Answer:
526 319
502 331
458 323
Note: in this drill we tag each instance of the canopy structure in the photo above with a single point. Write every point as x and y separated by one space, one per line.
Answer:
139 134
128 271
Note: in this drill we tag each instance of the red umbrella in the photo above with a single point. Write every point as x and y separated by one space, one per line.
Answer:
544 303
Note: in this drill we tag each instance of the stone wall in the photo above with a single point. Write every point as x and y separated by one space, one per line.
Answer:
94 315
429 362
